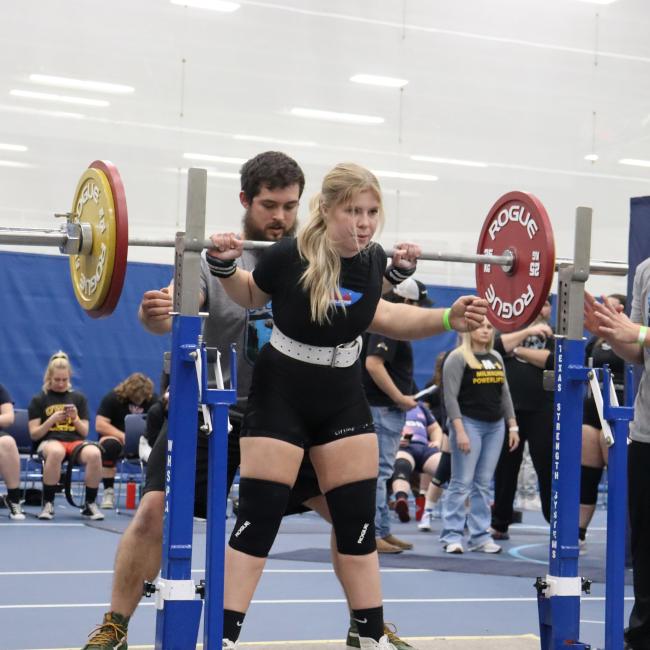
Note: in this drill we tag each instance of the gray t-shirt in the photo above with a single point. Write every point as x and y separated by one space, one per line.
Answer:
640 426
229 323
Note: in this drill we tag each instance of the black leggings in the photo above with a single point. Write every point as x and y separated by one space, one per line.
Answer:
638 483
537 428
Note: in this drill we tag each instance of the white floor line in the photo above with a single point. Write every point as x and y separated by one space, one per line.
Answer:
584 620
200 571
318 601
42 525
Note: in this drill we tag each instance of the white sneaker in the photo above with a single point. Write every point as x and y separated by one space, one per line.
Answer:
368 643
425 522
227 644
48 511
455 548
91 511
108 499
486 547
15 510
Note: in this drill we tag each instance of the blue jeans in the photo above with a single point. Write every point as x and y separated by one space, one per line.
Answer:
389 422
471 474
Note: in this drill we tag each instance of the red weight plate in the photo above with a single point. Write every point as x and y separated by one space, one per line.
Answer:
518 223
121 239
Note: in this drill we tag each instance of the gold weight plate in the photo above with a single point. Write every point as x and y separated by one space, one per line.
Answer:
92 273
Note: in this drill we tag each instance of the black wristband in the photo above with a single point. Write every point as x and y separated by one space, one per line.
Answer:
221 268
396 275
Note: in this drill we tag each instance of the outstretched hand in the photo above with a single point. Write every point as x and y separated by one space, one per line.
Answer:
468 313
610 321
227 246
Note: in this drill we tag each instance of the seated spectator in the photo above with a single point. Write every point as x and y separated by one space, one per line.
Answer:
9 458
419 450
134 395
58 422
156 417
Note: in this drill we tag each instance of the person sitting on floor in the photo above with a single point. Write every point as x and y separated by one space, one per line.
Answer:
419 450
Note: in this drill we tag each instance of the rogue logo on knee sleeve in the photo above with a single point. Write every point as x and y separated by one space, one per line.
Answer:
242 528
352 507
364 530
261 506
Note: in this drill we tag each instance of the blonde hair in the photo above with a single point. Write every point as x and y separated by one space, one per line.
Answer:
465 348
320 279
58 361
136 388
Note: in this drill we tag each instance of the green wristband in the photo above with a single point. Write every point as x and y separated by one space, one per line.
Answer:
643 331
445 320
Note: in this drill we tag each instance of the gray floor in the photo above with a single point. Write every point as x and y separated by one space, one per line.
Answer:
55 582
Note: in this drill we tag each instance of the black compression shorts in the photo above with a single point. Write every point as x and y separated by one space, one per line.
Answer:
305 404
305 488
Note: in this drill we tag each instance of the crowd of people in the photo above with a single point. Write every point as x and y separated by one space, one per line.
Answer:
342 317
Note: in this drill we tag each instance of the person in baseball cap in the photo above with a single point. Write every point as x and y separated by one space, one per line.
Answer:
415 291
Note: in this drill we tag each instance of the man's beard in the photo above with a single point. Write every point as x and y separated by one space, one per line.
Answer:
253 233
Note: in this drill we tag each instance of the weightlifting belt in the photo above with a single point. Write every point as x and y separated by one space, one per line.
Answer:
341 356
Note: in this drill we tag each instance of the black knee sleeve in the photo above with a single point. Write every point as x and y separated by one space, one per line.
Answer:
402 470
111 450
261 506
443 471
589 480
352 508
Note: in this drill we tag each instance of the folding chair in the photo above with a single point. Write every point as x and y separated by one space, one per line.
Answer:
130 467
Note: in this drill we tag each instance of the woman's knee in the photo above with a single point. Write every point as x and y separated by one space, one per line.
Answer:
148 519
8 446
352 507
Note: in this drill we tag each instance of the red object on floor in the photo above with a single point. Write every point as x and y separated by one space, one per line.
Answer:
130 495
419 507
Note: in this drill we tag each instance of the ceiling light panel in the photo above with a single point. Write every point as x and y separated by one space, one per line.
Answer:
333 116
449 161
267 140
63 99
12 147
634 162
13 163
211 5
210 158
376 80
380 173
81 84
591 157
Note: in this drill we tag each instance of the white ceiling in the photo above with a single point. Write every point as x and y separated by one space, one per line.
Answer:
528 86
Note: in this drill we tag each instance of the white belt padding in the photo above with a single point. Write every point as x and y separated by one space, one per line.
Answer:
341 356
598 400
174 590
556 586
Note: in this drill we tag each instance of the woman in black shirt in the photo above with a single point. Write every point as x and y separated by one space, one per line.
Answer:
307 392
477 399
58 423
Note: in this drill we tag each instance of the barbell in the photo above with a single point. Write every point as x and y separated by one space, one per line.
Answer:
515 255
